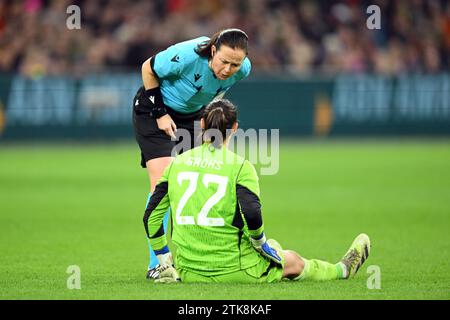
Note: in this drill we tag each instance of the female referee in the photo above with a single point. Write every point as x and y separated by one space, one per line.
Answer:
217 222
178 83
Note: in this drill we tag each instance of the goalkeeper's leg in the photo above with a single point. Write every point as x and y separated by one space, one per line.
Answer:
299 268
153 271
296 267
155 168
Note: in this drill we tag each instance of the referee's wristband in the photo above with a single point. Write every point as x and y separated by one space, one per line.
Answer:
153 99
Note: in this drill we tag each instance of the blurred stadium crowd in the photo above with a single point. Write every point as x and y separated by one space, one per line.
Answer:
287 36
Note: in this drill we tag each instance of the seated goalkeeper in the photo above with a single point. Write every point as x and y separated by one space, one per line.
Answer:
217 222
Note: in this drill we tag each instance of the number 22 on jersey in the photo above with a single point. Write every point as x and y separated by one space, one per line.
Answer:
202 216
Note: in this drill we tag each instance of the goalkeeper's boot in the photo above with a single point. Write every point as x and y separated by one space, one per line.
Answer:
154 273
356 255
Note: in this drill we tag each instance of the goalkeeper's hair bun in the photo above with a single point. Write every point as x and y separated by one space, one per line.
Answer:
219 117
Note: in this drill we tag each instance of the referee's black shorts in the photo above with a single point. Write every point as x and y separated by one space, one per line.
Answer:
155 143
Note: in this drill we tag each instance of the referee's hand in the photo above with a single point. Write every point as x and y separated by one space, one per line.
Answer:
166 124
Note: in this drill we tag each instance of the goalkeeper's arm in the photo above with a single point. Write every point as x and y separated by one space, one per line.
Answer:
168 273
154 216
251 209
153 223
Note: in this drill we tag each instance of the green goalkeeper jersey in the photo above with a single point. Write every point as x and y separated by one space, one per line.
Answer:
209 229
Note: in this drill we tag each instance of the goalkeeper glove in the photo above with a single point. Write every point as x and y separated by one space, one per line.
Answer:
265 249
168 273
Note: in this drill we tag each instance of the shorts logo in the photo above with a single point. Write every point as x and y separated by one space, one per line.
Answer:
176 58
152 99
197 76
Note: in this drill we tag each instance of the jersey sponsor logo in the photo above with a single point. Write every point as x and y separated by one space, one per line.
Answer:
176 58
197 76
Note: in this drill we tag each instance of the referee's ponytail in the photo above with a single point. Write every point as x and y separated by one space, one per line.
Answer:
233 38
219 117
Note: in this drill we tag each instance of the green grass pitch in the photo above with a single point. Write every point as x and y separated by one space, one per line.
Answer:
63 205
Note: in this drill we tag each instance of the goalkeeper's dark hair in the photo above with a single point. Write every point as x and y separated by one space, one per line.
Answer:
219 117
233 38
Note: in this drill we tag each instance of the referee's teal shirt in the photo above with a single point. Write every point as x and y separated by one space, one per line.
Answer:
187 83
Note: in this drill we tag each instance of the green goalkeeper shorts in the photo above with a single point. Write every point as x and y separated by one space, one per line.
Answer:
263 272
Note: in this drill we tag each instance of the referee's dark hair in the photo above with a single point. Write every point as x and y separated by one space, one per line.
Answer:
233 38
219 115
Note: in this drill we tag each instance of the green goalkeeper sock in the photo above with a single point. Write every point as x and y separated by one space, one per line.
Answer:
320 270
